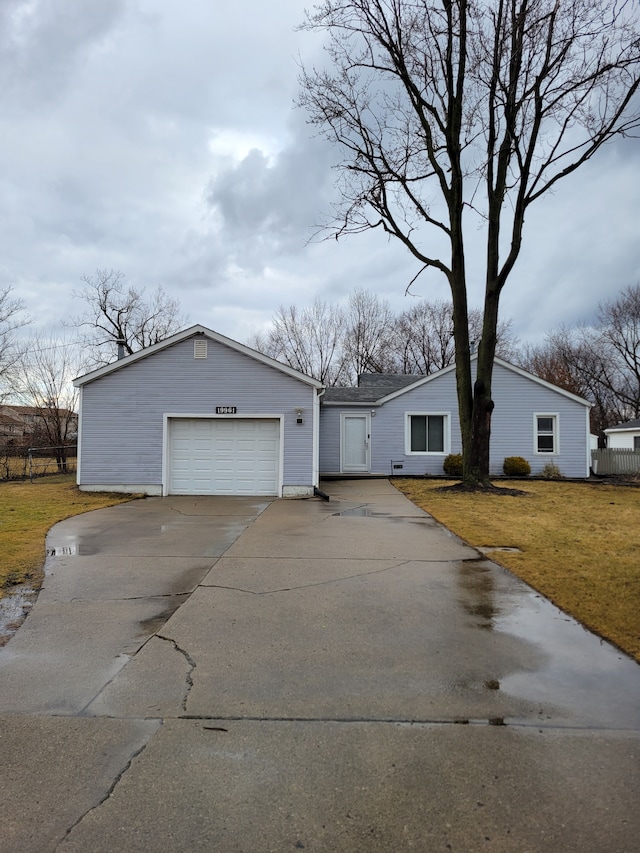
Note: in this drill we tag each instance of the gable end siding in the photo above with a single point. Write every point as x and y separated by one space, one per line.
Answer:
517 399
123 412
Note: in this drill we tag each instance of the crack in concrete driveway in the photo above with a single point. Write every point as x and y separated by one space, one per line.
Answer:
404 692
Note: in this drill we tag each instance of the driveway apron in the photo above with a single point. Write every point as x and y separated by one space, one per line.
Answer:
236 674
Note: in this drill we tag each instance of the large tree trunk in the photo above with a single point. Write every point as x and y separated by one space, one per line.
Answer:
475 404
465 400
458 283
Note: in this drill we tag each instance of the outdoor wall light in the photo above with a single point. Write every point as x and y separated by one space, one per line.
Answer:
299 416
373 413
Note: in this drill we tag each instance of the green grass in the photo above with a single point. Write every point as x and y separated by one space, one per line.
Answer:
579 543
27 511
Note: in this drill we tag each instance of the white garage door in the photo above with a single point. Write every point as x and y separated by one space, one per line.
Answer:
223 457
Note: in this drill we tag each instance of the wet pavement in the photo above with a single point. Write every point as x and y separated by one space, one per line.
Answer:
229 674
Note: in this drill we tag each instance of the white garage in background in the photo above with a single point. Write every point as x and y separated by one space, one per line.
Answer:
199 414
624 436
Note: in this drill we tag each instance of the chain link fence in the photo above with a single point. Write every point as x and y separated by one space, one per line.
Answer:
28 463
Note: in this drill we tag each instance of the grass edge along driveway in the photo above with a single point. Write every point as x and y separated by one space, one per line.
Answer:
27 512
579 544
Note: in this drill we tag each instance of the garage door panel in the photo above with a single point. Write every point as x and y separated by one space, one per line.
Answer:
265 483
215 456
180 485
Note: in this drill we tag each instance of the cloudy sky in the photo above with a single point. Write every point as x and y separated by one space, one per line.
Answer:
159 138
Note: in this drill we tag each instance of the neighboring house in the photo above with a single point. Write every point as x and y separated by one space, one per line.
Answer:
198 413
20 424
12 428
408 424
624 436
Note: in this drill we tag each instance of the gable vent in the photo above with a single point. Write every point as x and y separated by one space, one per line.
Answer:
200 348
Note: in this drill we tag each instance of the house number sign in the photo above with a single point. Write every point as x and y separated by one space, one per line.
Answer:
226 410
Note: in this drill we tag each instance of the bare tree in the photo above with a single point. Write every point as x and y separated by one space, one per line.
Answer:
307 339
336 344
43 380
455 112
425 340
12 318
368 344
557 360
117 314
617 340
425 337
507 342
569 359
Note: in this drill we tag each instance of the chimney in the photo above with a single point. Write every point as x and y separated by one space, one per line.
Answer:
121 342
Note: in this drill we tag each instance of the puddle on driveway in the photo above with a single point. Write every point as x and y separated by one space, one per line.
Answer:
368 511
581 673
62 551
69 546
479 596
577 677
362 512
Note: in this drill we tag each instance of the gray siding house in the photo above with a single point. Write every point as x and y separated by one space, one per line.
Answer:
198 413
408 424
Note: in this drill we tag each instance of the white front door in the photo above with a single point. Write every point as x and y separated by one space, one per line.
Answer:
355 443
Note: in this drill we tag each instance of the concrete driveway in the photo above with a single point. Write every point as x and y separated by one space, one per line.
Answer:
228 674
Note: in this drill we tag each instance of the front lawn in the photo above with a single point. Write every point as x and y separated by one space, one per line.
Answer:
579 543
27 511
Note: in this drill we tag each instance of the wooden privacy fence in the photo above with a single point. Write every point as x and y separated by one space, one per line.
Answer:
614 461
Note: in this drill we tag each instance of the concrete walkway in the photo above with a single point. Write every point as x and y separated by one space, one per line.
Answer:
226 674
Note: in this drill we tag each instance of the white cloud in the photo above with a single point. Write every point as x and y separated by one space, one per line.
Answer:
160 139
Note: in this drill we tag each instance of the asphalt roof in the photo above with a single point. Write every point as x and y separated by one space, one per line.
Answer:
628 425
371 388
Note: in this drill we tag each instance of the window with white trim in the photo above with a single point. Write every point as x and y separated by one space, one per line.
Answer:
427 433
546 433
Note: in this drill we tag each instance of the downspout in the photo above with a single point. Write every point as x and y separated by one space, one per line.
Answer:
79 437
316 438
588 415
